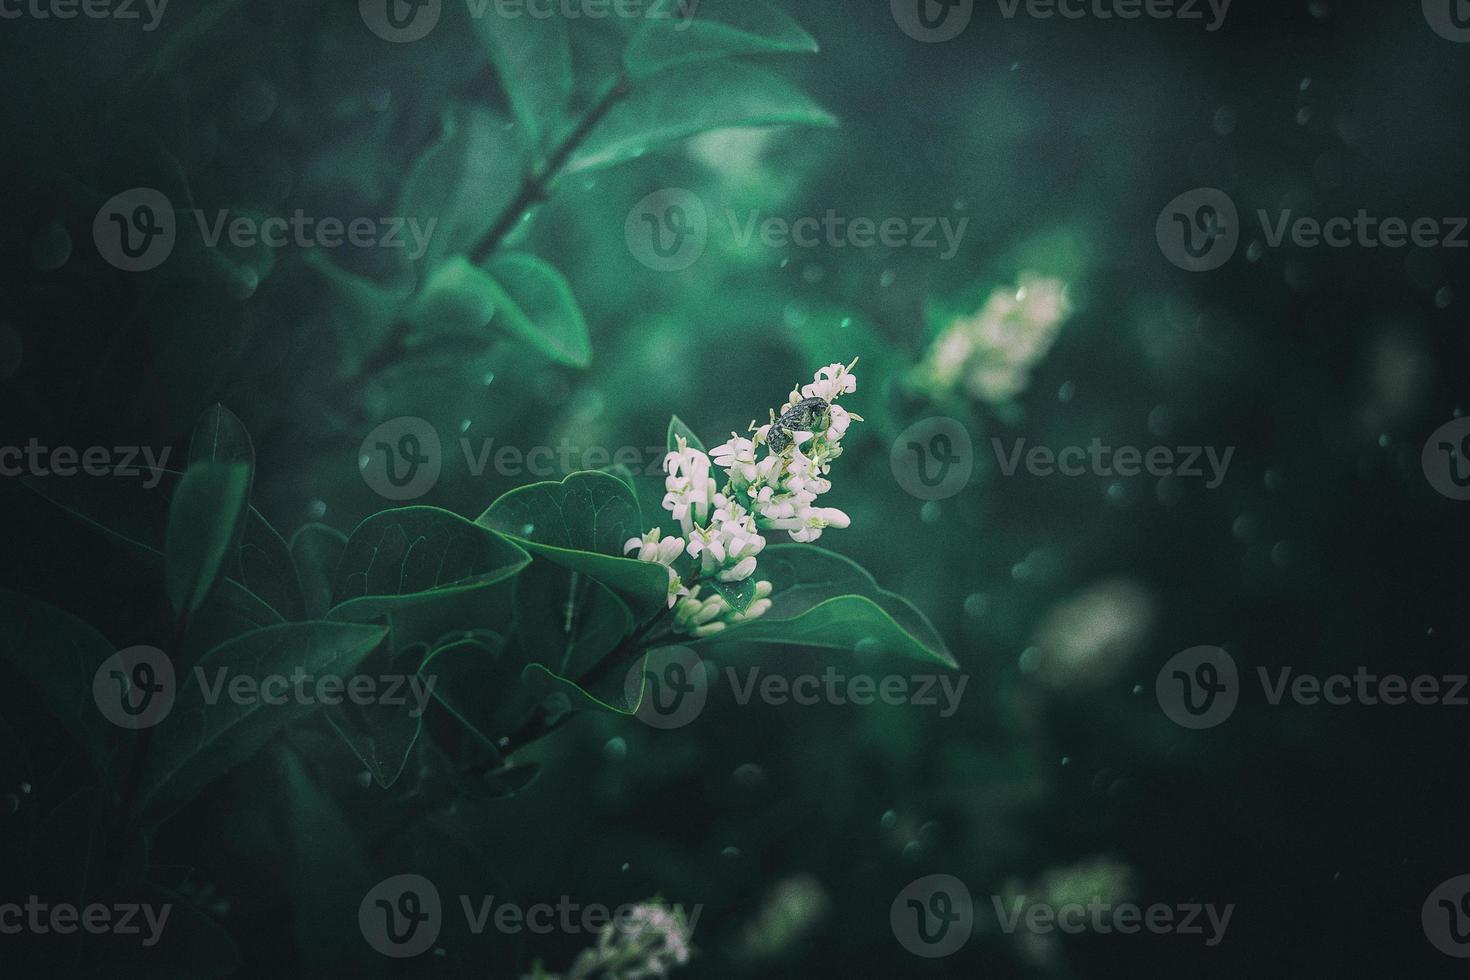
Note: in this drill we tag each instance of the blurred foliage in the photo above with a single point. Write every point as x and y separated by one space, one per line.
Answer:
792 826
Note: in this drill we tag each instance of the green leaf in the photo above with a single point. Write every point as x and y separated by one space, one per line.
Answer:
220 437
718 29
582 524
198 741
265 567
518 293
533 58
135 517
536 304
473 686
316 550
822 599
678 428
59 655
203 515
687 101
738 594
565 620
418 554
380 734
326 861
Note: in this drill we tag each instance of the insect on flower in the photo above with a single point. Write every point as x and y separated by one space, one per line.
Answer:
807 415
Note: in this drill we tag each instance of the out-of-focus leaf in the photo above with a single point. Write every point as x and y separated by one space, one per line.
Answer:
716 29
538 307
533 58
684 102
199 741
678 428
59 655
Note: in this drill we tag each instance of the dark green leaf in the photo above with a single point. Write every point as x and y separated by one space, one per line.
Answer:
534 61
825 600
565 620
678 428
60 655
684 102
536 305
418 554
316 551
199 741
718 29
582 524
738 594
203 515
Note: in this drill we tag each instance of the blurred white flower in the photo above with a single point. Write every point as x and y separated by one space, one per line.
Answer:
993 352
1089 639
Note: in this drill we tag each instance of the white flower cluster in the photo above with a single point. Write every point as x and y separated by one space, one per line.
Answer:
775 491
994 351
644 941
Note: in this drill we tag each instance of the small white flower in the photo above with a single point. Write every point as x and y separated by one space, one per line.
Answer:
655 548
830 382
690 489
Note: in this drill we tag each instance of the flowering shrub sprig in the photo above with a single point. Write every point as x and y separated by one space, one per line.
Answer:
773 480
